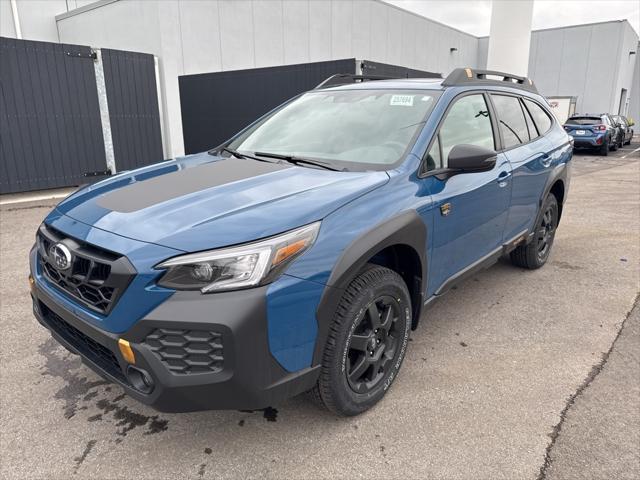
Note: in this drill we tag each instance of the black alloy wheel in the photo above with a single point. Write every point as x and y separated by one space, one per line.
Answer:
546 231
374 344
366 342
535 253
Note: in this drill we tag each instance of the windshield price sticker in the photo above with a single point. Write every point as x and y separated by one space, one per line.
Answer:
402 100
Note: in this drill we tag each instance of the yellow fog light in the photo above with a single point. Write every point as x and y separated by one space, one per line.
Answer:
126 351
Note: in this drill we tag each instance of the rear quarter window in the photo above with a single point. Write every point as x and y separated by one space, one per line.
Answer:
540 117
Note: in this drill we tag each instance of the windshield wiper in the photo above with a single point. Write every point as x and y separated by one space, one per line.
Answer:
298 160
237 154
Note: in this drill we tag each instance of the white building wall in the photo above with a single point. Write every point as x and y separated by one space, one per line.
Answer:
634 101
590 62
198 36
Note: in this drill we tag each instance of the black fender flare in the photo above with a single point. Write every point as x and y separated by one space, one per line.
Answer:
559 175
407 228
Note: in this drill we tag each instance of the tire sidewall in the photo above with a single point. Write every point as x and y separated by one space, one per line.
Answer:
549 201
351 401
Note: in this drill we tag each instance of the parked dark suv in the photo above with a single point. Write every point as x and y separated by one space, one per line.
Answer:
625 126
600 132
299 255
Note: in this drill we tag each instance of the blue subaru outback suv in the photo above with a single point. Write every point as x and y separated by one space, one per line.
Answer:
299 255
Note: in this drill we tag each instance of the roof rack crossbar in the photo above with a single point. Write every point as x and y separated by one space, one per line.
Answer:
469 76
348 78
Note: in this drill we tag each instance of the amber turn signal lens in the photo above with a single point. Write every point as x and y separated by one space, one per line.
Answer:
32 282
285 252
126 351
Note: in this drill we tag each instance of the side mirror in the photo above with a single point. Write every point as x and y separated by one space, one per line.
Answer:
471 158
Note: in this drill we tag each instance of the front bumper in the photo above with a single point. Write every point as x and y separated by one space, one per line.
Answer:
246 378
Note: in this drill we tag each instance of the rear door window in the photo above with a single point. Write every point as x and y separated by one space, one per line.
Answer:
540 117
513 126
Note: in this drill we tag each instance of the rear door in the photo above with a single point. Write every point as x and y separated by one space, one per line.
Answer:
470 209
523 124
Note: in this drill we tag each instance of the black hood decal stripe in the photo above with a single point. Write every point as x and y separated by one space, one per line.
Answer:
146 193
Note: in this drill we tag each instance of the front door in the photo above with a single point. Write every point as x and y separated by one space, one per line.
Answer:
469 209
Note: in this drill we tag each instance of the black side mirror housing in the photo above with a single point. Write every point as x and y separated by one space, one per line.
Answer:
465 158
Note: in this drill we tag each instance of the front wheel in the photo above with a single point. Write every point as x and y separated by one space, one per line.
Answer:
366 343
535 254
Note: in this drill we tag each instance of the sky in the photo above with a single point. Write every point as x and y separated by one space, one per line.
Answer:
474 16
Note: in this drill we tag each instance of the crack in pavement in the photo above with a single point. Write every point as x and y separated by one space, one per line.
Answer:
595 371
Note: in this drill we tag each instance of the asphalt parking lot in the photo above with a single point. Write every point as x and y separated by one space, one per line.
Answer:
514 375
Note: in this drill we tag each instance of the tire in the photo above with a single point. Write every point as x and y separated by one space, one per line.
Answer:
535 254
355 375
613 145
604 149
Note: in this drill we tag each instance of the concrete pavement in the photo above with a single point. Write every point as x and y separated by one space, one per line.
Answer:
485 384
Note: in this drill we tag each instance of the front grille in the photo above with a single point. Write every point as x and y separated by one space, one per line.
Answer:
187 351
85 345
96 277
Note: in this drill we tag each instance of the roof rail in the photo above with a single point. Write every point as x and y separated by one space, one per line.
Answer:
467 76
348 78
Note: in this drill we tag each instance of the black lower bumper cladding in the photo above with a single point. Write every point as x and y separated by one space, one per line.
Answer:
201 352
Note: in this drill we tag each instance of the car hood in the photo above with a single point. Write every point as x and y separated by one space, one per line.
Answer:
202 202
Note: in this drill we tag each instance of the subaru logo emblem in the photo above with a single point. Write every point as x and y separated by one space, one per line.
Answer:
61 256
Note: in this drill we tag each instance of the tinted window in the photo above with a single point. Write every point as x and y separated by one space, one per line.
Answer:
533 133
511 120
584 121
540 117
467 122
434 158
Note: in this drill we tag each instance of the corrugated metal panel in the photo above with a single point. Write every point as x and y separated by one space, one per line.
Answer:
50 130
133 108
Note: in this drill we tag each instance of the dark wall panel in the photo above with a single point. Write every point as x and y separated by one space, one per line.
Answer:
216 105
50 128
133 108
385 70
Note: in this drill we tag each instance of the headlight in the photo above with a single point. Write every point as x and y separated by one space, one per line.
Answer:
237 267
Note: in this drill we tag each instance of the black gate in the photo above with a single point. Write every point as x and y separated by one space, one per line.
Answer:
51 132
133 108
50 129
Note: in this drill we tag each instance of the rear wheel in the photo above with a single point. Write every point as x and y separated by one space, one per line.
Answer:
535 254
366 343
604 149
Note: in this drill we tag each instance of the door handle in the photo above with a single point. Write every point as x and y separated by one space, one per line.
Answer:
546 160
503 177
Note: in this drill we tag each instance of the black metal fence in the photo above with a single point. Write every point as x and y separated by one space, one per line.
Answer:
51 133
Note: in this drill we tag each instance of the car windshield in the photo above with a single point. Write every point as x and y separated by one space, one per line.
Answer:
350 129
584 121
